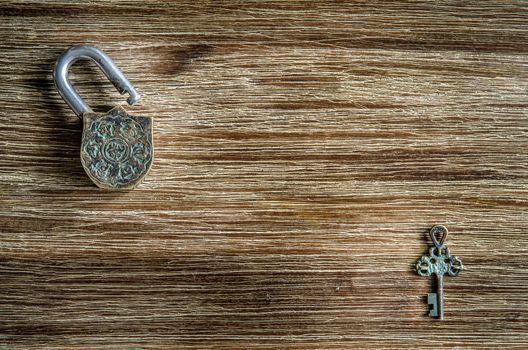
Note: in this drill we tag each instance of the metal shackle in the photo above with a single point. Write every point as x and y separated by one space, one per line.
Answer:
68 92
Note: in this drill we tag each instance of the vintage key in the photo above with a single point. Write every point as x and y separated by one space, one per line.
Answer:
439 262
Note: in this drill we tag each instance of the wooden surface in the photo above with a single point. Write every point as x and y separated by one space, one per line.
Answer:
303 149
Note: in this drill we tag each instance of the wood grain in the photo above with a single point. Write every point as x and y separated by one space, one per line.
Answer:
303 149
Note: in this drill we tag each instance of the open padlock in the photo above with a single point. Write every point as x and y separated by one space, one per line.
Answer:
116 149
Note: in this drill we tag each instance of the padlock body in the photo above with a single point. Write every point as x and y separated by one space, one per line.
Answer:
117 149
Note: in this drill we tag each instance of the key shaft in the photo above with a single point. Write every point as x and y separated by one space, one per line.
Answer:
440 295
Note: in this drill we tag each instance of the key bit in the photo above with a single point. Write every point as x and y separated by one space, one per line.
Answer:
432 300
439 262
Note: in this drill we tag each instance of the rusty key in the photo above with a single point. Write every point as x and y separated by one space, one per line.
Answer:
439 262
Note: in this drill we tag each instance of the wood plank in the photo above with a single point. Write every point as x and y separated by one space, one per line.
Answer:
303 150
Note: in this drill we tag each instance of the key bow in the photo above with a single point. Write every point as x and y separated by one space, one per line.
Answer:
438 229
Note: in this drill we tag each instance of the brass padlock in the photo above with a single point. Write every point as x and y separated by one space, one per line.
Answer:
116 148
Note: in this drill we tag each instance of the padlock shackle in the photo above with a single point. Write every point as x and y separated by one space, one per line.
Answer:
68 92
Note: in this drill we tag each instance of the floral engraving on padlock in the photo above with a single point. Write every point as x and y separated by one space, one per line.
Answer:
116 149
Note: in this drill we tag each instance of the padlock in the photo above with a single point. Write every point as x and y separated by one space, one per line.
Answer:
116 148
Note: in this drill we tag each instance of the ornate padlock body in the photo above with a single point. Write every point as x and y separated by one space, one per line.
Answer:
116 149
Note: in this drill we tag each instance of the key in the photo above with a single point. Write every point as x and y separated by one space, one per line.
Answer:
439 262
